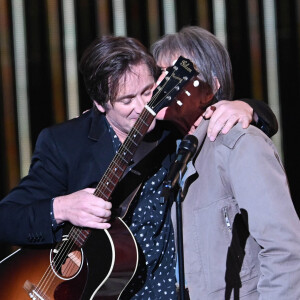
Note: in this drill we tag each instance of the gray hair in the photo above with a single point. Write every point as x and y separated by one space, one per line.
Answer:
209 56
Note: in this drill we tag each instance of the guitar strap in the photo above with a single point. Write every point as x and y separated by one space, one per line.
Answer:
148 159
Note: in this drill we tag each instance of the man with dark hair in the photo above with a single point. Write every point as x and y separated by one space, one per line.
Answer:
70 158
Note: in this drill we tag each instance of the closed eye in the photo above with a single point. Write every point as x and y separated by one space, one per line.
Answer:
127 101
148 92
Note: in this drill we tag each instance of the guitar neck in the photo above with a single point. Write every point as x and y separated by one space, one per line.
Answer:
117 168
124 156
179 75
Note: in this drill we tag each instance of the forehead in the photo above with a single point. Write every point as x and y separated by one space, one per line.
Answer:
135 79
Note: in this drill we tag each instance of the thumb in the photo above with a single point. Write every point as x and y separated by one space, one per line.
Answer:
89 190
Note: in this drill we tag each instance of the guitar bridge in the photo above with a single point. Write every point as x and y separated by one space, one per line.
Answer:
33 292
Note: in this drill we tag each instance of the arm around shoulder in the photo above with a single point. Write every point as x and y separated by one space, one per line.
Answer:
263 116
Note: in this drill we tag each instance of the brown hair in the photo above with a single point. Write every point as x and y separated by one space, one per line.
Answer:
106 60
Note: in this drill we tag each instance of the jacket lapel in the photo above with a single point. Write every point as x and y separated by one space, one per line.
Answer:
102 150
200 133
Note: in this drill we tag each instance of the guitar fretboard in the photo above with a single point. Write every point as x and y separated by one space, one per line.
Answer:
124 156
181 73
117 168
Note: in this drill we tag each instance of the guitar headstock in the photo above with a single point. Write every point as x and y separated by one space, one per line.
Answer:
179 75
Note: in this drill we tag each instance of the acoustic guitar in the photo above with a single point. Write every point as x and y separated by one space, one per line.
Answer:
87 263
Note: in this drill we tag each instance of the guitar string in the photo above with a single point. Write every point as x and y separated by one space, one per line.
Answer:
64 252
117 164
57 263
124 146
60 258
120 158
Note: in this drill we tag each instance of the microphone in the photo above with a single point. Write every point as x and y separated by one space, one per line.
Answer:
186 150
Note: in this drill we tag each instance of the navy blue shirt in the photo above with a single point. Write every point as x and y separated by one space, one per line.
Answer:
150 223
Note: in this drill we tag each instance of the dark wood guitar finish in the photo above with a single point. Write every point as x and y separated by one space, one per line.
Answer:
107 263
91 264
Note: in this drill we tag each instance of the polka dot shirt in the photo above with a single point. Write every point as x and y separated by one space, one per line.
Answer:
150 223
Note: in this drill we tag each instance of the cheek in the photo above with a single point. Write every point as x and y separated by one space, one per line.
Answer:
126 111
121 110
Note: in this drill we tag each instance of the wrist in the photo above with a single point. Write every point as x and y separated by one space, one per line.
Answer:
57 216
255 117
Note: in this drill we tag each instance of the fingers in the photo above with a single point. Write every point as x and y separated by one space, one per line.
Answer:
195 125
92 218
96 211
83 209
161 114
229 124
97 225
245 122
209 111
89 190
214 129
225 114
91 221
221 122
96 200
218 119
96 222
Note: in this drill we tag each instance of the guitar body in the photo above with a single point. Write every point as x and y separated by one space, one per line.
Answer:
92 264
99 271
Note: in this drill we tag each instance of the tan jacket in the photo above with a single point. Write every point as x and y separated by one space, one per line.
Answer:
240 184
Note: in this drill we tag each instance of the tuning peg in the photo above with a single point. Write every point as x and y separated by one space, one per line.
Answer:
187 92
196 83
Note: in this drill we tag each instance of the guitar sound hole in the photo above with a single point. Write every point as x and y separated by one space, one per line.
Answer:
72 264
66 264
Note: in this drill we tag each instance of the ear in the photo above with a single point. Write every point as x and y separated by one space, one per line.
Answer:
99 107
216 84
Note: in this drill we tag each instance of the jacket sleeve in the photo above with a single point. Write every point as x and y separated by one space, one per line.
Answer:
25 211
260 186
266 119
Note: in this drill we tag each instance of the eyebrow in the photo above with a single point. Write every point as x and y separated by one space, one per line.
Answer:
147 87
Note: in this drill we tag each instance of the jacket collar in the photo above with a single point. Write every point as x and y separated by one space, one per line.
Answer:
102 148
98 125
200 133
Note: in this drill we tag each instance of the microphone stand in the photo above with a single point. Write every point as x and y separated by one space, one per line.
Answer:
176 195
174 184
